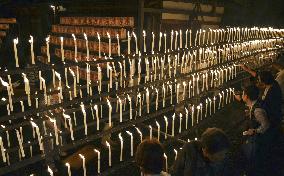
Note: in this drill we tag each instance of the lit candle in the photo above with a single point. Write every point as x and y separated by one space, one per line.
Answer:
184 86
220 101
175 154
69 169
153 42
109 44
151 132
165 39
109 153
166 161
186 33
206 106
177 93
99 160
180 38
38 135
176 40
166 122
109 112
173 125
201 111
120 110
190 37
198 111
75 46
47 49
160 41
85 118
180 122
31 149
214 104
192 115
144 40
147 100
186 118
5 84
84 164
159 128
140 134
128 42
121 146
99 39
118 45
55 130
16 41
62 50
2 150
172 36
131 142
157 99
50 171
20 144
27 88
32 49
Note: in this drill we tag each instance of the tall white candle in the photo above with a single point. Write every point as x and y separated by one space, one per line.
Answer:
16 41
144 41
109 153
109 112
99 39
99 160
85 118
166 126
153 42
68 168
166 161
47 49
180 122
175 154
62 49
186 118
20 144
50 171
173 125
32 49
159 129
131 142
172 36
2 150
121 146
109 44
151 132
165 40
160 41
192 115
128 42
140 134
180 38
84 164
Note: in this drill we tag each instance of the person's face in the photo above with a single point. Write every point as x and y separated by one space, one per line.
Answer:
216 157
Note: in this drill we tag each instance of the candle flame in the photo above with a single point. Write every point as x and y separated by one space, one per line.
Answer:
47 38
82 156
31 39
85 36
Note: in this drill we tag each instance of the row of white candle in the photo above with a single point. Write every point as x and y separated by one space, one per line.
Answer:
211 37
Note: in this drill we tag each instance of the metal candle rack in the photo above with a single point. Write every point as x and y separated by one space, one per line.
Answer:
196 69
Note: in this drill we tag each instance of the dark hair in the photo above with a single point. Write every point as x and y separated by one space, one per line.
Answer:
150 156
252 92
266 77
214 140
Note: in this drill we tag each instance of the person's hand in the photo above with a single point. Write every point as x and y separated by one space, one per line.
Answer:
238 97
244 67
249 132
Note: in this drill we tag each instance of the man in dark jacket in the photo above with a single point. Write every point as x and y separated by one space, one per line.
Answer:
272 95
205 157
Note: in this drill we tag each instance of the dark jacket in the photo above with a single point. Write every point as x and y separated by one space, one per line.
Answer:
272 103
190 162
